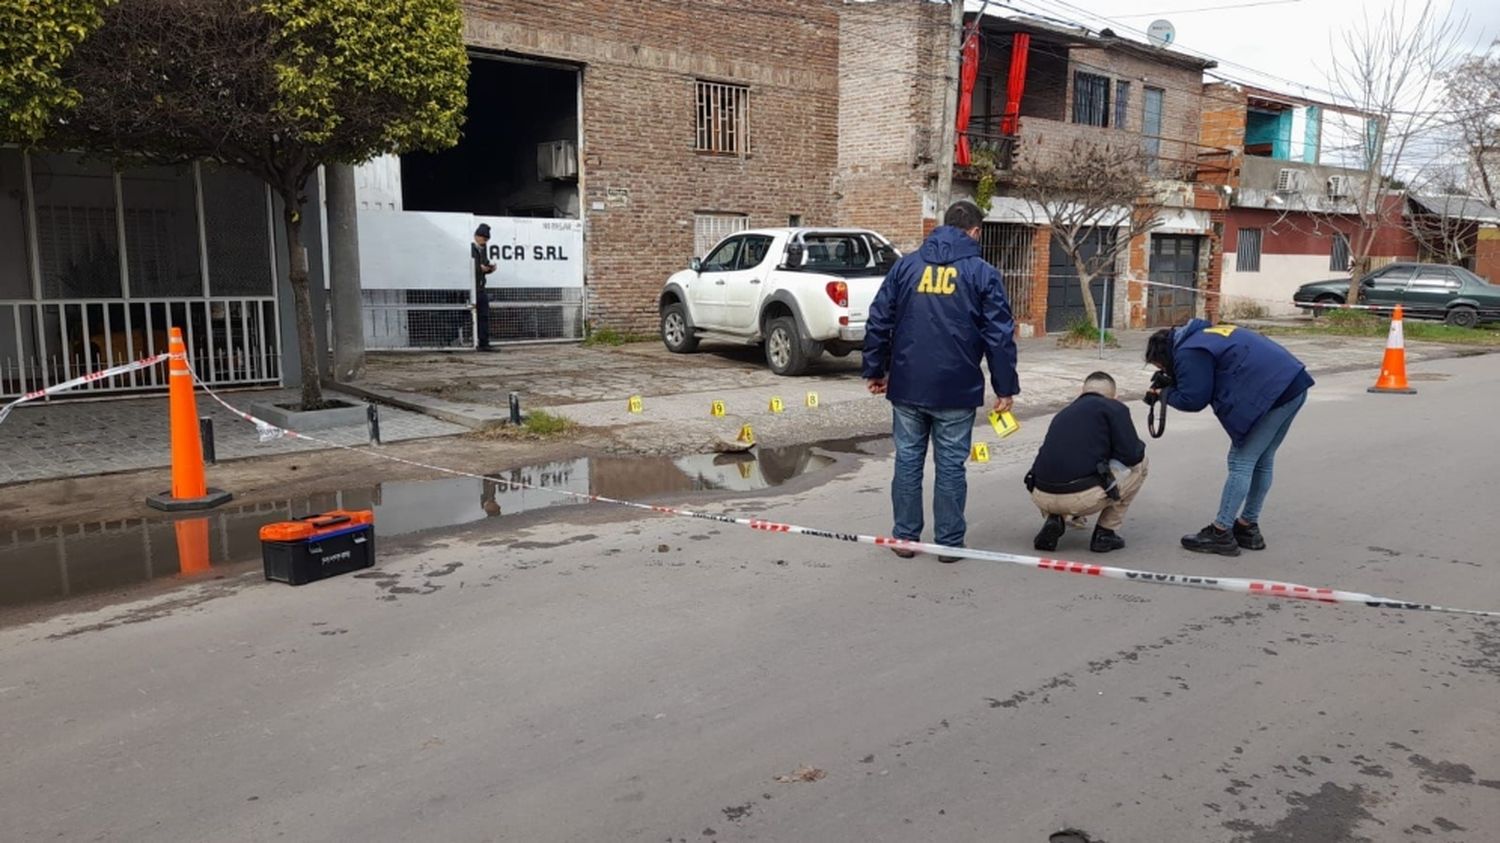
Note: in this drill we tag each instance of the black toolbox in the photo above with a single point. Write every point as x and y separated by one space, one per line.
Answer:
316 547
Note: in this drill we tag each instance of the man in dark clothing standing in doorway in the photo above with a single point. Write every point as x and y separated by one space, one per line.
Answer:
479 251
1091 461
940 311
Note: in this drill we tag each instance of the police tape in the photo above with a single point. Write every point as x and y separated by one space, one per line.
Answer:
1235 585
91 377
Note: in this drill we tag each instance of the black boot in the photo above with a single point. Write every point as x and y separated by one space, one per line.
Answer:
1105 540
1051 532
1211 539
1248 536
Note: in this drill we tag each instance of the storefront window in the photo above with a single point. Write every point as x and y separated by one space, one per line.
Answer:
77 233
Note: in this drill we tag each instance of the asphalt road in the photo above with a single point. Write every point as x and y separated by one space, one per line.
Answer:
608 678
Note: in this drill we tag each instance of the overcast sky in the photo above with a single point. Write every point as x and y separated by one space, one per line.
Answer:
1285 39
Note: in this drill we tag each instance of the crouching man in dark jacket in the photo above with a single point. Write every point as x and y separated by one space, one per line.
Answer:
1091 461
1256 388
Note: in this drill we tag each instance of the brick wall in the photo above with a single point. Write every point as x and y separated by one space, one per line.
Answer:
1487 254
888 130
639 63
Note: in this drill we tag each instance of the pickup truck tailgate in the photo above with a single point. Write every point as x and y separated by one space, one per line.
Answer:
861 292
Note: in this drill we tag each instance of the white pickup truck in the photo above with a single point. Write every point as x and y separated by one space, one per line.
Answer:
801 291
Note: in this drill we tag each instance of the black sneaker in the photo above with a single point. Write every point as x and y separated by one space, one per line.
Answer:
1105 540
1051 532
949 560
1248 536
1211 539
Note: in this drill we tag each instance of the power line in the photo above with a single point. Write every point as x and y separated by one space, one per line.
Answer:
1208 9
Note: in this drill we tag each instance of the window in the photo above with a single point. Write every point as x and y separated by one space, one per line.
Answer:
744 252
1122 104
723 118
1338 256
754 251
1247 251
1090 99
835 252
1151 120
1433 278
710 228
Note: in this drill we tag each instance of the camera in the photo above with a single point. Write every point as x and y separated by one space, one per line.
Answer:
1159 381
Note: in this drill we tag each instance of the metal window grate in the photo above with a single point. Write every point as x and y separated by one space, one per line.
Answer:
1007 247
1122 103
723 118
710 228
1090 99
1247 251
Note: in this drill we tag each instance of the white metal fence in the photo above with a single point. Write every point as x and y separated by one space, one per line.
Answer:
427 320
230 341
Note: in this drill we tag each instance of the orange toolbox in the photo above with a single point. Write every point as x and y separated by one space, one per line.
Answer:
316 547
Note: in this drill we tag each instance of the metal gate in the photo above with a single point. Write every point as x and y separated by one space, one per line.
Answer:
1007 246
1065 295
1174 262
426 320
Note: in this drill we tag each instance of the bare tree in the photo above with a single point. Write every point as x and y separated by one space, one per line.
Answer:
1473 99
1098 197
1388 70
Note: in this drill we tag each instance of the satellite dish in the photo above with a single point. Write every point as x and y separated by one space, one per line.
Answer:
1161 33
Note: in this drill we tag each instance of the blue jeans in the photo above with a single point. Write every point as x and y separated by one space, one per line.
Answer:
1251 464
951 432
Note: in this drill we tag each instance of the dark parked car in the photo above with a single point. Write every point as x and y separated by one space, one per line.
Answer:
1424 291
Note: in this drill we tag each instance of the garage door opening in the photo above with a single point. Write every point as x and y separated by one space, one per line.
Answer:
515 169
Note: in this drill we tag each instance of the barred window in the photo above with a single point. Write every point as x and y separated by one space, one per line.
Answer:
710 228
1090 99
1122 103
1247 253
723 118
1338 254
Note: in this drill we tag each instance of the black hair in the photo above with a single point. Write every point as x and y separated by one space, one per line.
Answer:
1159 349
964 215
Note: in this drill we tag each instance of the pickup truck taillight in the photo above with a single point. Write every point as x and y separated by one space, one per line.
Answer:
839 292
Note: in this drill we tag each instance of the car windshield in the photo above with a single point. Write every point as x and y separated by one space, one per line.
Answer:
835 252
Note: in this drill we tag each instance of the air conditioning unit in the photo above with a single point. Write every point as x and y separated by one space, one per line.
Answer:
1288 180
1338 187
557 160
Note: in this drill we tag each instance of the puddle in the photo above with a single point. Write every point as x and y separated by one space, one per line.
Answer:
47 564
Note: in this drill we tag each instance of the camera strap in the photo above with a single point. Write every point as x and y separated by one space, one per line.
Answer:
1154 427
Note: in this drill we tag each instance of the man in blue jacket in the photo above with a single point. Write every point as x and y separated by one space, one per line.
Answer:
939 312
1256 388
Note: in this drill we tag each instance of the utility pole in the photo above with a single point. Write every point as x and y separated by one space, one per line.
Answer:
343 269
950 106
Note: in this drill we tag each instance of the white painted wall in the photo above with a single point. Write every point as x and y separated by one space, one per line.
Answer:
1279 277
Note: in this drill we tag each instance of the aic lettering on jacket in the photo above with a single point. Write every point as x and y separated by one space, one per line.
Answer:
938 280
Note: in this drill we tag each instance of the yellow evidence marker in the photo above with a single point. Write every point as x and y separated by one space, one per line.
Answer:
812 400
980 453
1004 423
776 405
716 409
747 436
636 405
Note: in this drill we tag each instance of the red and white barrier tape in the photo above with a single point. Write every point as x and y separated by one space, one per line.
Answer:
1237 585
91 377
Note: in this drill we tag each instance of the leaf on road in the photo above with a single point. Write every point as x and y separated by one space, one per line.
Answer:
802 774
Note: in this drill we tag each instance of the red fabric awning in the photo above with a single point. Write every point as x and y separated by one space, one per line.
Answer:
966 76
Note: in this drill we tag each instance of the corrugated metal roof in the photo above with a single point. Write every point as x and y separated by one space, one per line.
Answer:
1458 207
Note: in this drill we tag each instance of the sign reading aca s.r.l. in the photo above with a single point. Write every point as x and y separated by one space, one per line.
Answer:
534 252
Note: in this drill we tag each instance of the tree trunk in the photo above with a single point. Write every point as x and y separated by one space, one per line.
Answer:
307 342
344 285
1086 281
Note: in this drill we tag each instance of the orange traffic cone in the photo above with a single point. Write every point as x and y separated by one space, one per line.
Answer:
1393 367
189 488
192 545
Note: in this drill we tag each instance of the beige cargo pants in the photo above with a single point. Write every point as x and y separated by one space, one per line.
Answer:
1111 512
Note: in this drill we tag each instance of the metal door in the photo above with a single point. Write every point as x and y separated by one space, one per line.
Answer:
1064 294
1174 276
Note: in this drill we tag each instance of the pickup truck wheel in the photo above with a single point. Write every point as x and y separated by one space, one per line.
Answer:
675 333
786 352
1462 316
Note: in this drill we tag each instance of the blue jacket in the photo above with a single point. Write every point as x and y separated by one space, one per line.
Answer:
1241 373
939 312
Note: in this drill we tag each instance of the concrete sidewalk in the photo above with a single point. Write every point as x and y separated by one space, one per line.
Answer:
592 386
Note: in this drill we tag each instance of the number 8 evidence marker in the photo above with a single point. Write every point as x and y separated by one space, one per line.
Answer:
812 400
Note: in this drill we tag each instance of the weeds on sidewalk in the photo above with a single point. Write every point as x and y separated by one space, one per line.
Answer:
1353 323
1082 334
611 337
538 424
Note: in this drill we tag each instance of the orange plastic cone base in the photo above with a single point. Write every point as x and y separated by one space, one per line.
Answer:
1393 368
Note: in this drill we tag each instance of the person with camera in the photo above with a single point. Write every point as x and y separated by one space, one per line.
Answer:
1256 388
1091 461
